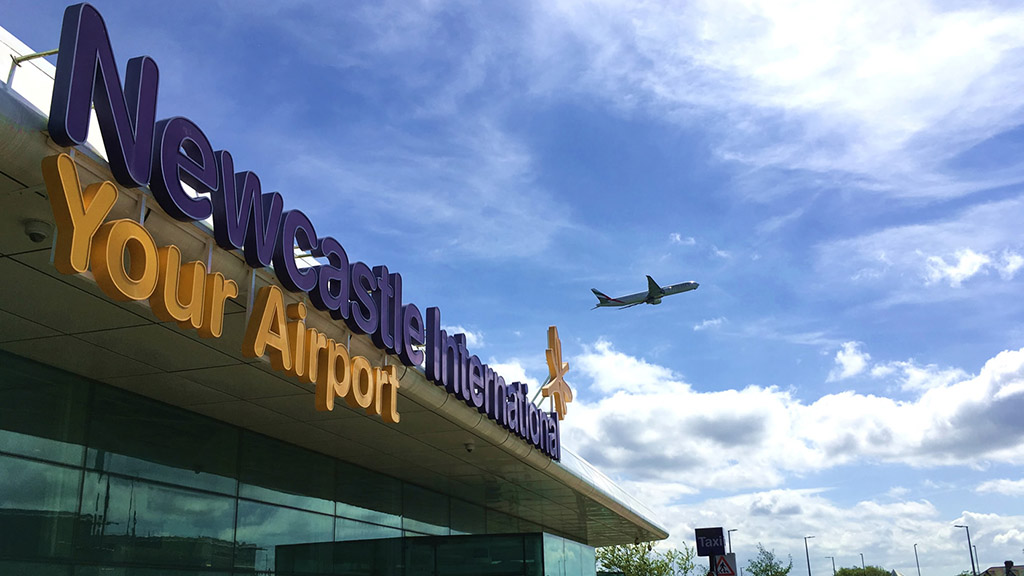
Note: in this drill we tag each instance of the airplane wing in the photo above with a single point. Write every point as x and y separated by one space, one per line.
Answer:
631 305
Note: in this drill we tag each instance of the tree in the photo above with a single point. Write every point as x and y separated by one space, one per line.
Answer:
644 560
867 571
766 564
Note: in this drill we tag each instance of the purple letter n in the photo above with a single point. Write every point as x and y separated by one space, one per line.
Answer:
86 71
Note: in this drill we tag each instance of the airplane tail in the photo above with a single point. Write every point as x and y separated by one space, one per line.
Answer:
653 290
602 298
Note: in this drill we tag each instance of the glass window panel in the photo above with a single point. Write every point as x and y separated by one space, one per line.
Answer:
356 558
272 471
554 556
497 555
573 558
365 495
588 560
139 437
533 547
420 557
42 410
369 549
264 527
564 557
425 511
126 520
345 529
38 505
467 518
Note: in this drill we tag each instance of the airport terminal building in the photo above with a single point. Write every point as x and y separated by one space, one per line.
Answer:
193 381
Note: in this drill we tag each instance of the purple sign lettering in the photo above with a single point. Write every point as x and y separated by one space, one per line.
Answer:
332 286
183 154
87 73
295 229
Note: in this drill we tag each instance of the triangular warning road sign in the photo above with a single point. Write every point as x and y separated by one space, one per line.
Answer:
722 566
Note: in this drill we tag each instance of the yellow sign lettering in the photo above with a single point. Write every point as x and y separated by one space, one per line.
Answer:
78 214
134 279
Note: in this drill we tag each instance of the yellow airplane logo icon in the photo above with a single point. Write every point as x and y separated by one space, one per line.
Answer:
556 388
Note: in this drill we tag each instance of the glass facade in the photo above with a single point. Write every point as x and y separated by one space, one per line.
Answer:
472 555
95 480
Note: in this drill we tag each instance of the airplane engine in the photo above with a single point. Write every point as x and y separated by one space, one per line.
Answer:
656 301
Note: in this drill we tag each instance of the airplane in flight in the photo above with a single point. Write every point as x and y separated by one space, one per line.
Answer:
653 295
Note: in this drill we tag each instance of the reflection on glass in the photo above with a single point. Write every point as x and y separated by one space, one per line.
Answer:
369 496
479 555
42 411
573 558
264 527
37 508
503 555
425 511
554 556
273 471
345 529
146 439
132 521
588 560
563 557
364 557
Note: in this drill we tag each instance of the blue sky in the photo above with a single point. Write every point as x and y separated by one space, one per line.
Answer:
844 180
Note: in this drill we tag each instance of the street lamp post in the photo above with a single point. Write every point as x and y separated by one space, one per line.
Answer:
970 550
863 567
916 559
977 559
808 553
833 559
729 534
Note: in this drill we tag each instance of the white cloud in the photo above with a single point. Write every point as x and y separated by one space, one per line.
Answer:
1010 263
850 361
1002 486
920 262
885 93
677 238
898 492
758 436
712 323
1012 536
720 253
605 366
914 377
966 263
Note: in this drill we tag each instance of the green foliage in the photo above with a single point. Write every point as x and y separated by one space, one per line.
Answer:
645 560
858 571
766 564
